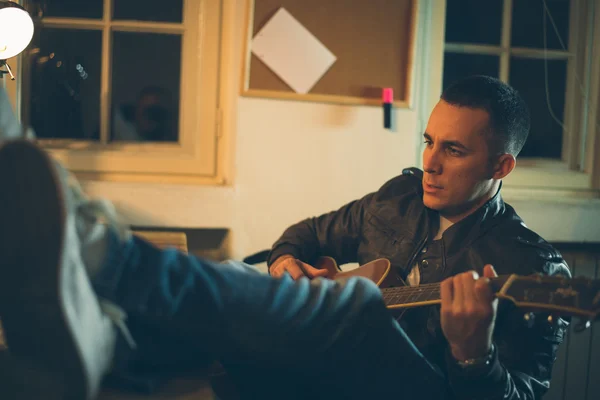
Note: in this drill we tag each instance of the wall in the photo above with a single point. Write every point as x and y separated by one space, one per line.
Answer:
294 160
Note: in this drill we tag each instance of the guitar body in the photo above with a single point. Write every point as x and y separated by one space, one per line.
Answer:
379 271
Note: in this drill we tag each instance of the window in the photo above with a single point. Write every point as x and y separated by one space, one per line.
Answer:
544 49
125 87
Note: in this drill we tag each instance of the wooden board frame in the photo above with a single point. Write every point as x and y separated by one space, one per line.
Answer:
405 100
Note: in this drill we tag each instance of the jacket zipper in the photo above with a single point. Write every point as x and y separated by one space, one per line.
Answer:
418 249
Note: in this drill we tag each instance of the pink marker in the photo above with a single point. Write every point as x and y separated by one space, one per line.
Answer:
388 99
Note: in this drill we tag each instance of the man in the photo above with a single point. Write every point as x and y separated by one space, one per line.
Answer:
106 300
448 219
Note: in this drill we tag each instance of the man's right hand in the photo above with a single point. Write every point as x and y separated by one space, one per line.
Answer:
295 268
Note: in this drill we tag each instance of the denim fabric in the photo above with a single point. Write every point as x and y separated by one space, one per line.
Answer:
278 338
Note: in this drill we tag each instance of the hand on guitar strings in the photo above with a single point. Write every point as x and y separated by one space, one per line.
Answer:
468 313
296 268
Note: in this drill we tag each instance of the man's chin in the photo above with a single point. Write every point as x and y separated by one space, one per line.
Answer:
433 202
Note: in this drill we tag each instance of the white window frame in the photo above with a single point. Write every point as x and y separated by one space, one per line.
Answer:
197 157
578 169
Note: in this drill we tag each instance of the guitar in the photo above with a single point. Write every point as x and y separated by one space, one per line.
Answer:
578 297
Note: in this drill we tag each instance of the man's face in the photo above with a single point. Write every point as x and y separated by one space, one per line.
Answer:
457 170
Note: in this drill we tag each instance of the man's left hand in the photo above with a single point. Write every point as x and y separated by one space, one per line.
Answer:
468 313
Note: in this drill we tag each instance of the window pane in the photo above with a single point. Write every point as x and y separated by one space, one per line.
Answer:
474 21
149 10
457 66
69 8
145 87
528 28
65 84
527 76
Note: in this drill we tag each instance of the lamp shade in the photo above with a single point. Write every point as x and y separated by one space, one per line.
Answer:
16 29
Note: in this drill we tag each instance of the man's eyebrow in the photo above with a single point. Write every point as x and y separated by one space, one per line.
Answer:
448 143
456 143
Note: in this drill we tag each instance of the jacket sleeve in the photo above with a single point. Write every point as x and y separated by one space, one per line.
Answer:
337 234
334 234
521 365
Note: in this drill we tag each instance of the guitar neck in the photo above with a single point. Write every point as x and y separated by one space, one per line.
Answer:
423 295
559 294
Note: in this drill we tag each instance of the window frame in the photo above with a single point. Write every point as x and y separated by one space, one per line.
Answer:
577 169
196 158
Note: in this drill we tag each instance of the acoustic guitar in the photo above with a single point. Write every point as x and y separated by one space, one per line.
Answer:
576 297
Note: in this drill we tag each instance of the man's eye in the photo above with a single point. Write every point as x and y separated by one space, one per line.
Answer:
454 152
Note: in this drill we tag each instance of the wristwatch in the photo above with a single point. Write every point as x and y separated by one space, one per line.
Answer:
479 361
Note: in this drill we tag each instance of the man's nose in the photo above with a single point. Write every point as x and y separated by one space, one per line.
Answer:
431 160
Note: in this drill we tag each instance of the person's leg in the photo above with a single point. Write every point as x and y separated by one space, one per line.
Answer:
302 338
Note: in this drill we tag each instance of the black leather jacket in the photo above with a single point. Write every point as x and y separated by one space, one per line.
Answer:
394 223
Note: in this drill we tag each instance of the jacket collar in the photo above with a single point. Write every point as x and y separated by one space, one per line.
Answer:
464 232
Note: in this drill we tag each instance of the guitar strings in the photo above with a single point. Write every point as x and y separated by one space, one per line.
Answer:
404 294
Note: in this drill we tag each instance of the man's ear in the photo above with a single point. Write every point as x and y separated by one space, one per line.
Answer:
504 165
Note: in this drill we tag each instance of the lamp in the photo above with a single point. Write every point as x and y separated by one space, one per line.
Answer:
16 31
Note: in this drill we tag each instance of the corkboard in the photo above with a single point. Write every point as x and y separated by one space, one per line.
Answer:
373 41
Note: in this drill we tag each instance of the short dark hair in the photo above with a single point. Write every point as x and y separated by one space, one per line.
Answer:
508 112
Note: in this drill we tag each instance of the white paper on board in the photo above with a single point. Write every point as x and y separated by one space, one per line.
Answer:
292 52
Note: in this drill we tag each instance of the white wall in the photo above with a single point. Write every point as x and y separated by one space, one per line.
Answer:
295 159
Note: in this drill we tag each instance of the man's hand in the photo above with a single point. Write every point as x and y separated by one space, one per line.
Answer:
295 268
468 313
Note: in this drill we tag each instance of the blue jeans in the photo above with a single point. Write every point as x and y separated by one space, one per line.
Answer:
278 338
